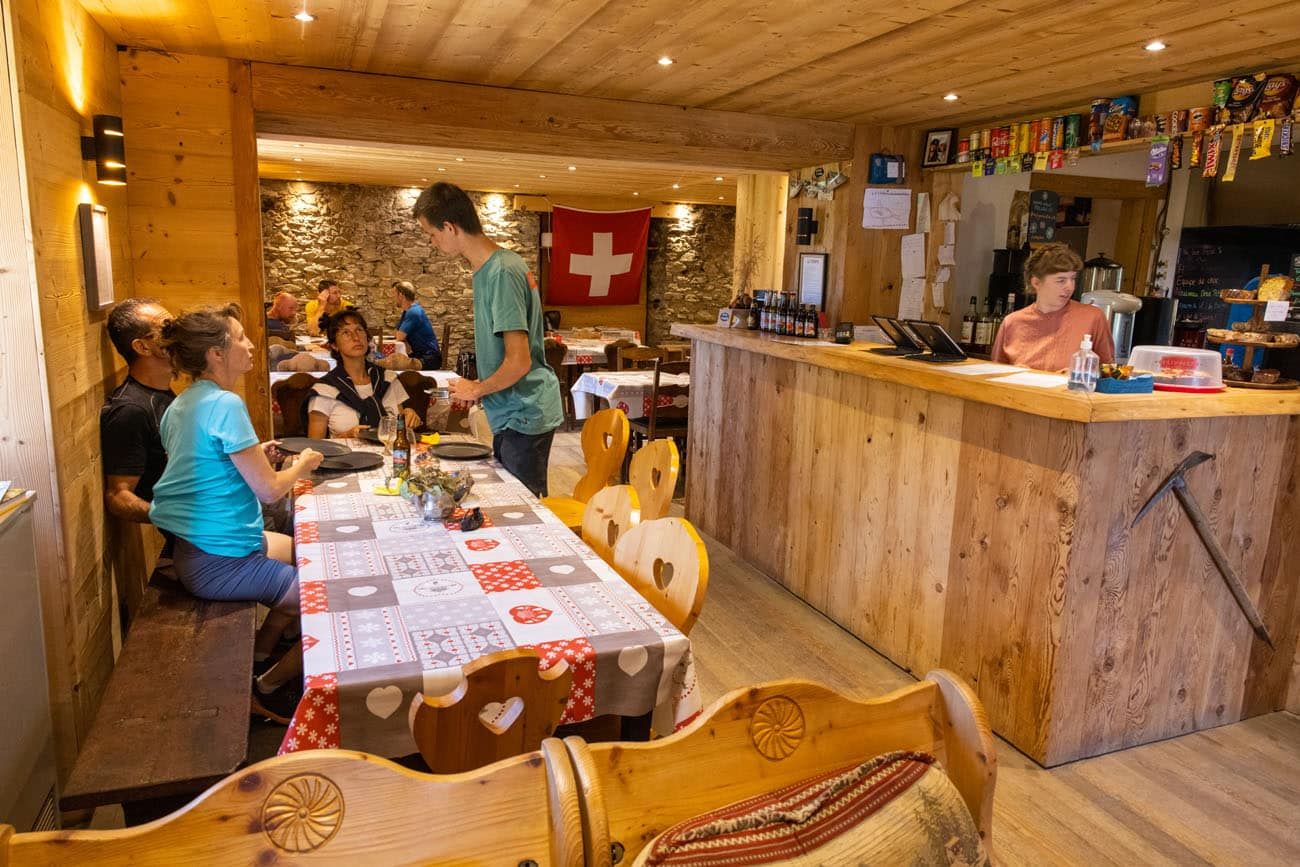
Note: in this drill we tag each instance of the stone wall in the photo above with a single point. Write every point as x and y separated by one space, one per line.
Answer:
364 237
690 267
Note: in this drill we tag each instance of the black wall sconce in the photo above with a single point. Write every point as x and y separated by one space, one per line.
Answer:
108 150
804 227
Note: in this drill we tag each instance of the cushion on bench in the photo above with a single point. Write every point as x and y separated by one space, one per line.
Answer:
898 808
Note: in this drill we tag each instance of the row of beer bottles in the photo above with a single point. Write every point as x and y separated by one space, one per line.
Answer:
781 315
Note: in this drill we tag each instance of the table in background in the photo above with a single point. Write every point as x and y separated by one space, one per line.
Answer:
442 378
393 606
591 350
628 390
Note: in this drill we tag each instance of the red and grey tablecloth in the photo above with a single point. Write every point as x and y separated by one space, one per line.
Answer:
628 390
393 606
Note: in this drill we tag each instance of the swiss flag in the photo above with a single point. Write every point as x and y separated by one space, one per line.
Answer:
597 257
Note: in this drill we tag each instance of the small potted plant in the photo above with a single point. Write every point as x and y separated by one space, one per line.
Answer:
434 491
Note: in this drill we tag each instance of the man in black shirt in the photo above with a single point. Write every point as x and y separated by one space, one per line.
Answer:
132 448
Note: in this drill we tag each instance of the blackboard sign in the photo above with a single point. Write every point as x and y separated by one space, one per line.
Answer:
1043 206
1214 258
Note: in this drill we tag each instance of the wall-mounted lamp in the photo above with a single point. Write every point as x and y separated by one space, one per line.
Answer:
108 150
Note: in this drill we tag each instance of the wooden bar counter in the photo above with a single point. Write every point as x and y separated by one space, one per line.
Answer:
951 522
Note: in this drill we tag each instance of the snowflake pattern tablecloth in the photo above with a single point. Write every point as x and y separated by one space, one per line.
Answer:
393 606
628 390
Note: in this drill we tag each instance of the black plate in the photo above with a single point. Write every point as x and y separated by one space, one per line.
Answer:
370 435
294 445
353 461
461 451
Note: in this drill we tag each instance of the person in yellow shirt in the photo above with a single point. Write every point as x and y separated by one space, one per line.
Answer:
329 300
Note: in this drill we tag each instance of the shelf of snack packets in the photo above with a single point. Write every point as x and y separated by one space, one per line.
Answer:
1261 107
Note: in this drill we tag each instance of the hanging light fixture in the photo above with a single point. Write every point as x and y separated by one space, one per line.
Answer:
107 147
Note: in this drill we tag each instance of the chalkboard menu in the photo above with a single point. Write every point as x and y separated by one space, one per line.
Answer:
1214 258
1043 205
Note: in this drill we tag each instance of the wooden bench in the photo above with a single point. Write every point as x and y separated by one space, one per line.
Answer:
340 807
174 719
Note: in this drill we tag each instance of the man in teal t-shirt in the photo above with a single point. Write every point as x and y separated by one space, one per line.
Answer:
520 393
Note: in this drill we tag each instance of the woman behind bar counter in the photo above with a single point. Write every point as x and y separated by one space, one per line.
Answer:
1045 334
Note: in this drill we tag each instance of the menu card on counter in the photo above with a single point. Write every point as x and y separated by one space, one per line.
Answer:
1034 379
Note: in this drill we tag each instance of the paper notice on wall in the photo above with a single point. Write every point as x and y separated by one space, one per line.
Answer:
923 213
949 233
947 254
913 254
886 209
950 208
937 289
944 275
911 305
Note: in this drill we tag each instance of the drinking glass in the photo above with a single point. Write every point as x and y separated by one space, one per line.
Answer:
387 432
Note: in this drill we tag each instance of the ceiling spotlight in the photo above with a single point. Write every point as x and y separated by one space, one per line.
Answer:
720 198
573 168
305 17
516 186
950 97
665 61
1155 45
636 194
718 178
297 144
541 176
460 159
297 159
677 186
442 168
424 180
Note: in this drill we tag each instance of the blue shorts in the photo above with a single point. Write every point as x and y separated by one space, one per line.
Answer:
255 577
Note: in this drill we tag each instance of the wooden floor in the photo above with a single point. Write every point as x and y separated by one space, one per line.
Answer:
1229 795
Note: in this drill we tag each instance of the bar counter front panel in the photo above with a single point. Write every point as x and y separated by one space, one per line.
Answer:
952 530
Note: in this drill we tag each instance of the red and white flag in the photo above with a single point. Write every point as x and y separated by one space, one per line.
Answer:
597 257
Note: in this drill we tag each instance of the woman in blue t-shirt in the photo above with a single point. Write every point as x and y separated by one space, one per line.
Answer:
216 473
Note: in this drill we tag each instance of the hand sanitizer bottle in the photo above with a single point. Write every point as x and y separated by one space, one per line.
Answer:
1085 367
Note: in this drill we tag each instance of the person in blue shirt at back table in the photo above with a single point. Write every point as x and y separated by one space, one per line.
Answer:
520 393
216 473
415 328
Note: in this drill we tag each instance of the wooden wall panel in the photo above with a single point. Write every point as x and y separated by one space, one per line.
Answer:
952 533
66 72
760 228
195 209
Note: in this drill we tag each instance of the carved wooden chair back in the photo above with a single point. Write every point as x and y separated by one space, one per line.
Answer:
291 396
612 349
604 445
669 404
756 740
345 807
417 392
503 706
609 514
638 357
666 562
653 472
444 344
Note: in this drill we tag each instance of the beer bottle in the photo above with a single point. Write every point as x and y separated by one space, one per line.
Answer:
789 316
401 450
968 324
751 316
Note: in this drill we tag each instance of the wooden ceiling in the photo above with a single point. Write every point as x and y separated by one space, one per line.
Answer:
408 166
873 61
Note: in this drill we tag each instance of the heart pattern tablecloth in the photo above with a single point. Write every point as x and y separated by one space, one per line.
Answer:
393 606
628 390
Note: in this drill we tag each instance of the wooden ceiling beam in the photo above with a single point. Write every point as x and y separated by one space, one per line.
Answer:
379 108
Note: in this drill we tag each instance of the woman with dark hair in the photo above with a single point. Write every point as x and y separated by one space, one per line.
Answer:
357 393
216 473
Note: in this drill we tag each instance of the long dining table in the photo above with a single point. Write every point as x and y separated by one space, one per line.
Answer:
394 606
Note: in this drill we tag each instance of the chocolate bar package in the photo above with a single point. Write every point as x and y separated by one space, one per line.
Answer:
1284 141
1212 145
1176 153
1158 162
1118 115
1097 122
1244 98
1198 149
1234 154
1278 96
1262 145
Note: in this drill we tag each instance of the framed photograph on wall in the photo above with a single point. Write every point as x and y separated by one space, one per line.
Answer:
812 279
938 149
96 255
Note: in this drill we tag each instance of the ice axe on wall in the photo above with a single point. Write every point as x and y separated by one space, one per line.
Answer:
1178 485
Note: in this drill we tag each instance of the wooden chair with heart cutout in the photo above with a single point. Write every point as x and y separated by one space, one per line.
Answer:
654 471
502 707
666 562
604 444
608 516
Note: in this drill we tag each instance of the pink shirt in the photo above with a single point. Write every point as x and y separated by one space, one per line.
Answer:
1045 341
